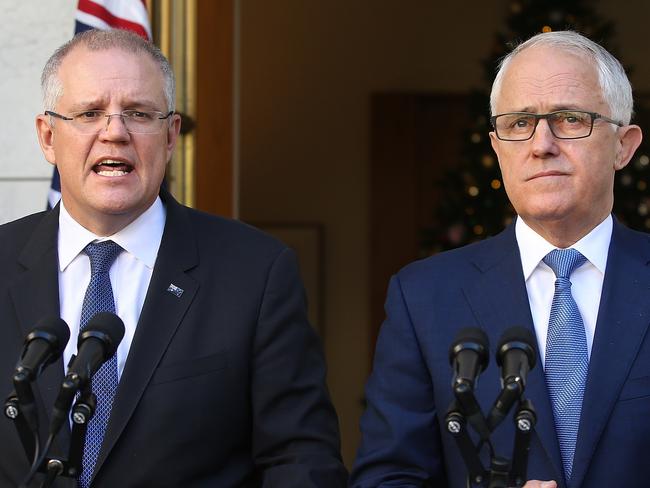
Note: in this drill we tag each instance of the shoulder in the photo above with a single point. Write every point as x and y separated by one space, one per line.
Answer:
458 267
442 275
15 235
628 247
622 235
21 226
233 244
230 232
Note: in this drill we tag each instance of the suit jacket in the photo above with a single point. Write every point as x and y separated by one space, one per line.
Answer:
482 285
224 384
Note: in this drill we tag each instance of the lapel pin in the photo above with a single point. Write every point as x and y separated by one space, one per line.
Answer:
172 288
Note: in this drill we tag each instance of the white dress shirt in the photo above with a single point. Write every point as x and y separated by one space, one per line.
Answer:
586 281
130 273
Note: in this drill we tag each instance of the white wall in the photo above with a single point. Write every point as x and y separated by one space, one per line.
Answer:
31 30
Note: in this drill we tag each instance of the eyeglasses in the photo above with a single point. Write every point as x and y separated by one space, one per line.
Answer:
135 121
564 124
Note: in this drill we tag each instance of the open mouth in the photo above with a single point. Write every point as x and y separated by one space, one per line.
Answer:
112 167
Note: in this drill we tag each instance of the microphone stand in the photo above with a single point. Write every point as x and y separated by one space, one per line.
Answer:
20 406
457 426
53 467
14 413
502 473
499 469
525 420
82 412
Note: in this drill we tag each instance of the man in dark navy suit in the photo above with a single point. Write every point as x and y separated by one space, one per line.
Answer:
220 378
565 269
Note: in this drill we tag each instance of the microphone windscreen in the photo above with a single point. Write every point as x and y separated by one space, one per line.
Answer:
471 338
106 326
52 329
472 334
521 338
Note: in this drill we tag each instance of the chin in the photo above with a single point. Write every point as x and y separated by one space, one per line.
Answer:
116 206
546 214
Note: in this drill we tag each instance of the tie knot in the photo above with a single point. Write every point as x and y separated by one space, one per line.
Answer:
564 261
102 255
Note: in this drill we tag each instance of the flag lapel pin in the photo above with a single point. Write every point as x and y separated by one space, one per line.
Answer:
174 290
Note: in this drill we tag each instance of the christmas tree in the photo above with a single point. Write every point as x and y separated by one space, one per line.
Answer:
474 204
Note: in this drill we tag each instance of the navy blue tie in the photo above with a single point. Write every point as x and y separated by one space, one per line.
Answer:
566 354
99 298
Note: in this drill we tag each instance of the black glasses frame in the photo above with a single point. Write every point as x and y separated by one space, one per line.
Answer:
593 117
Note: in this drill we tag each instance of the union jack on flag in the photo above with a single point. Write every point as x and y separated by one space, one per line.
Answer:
113 14
105 14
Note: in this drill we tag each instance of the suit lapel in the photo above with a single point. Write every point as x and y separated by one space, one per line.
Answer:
35 295
162 313
499 298
620 328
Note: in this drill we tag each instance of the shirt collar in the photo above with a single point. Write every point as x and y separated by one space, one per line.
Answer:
533 247
141 238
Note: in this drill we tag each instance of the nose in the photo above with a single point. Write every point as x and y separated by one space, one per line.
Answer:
544 143
115 131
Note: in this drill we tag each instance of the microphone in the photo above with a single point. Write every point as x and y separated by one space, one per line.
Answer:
44 344
469 357
97 343
516 356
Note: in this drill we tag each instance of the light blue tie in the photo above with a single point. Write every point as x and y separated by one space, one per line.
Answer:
99 298
566 354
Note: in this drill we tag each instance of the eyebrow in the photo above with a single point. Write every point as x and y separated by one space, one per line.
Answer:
98 103
86 104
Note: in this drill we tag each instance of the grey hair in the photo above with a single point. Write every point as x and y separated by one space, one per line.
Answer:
101 40
613 81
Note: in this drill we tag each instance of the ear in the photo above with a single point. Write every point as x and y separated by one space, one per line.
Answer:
495 144
45 133
174 128
629 138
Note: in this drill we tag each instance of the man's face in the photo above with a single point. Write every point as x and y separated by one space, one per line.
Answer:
552 181
100 198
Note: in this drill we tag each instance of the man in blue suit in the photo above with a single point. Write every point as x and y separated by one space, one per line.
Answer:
561 108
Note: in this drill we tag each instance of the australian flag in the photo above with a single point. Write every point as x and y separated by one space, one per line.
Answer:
105 14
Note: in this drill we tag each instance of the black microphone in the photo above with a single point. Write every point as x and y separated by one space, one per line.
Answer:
97 343
469 356
44 344
516 356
